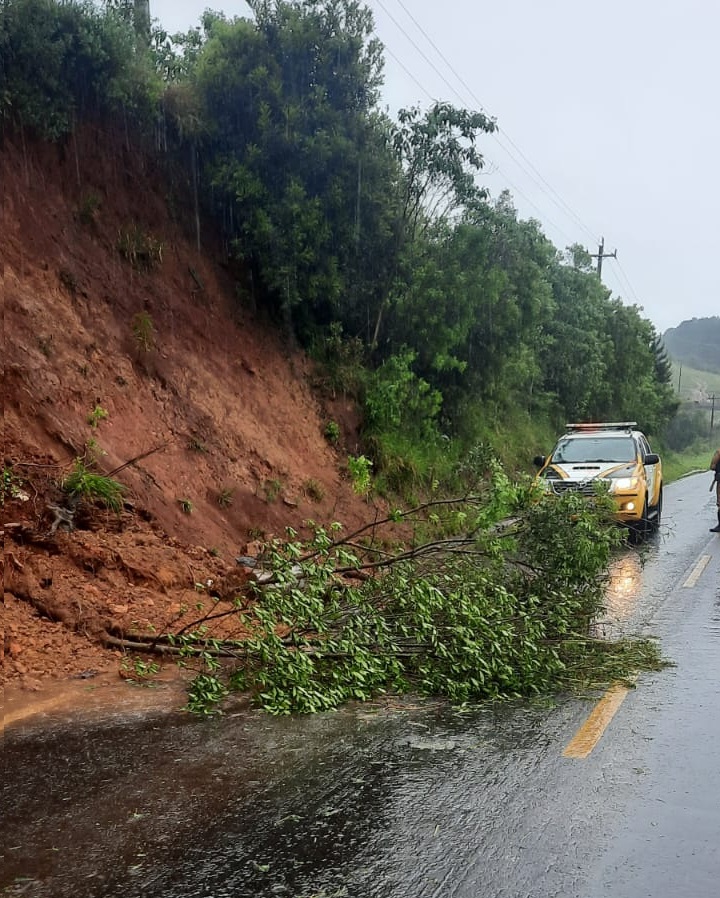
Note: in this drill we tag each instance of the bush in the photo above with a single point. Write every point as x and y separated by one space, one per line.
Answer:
403 466
332 432
342 361
360 470
397 400
140 249
11 485
225 497
83 483
687 429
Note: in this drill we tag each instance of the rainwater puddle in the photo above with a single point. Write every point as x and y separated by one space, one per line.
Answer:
248 806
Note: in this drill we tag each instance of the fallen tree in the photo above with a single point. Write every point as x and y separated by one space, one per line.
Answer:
492 596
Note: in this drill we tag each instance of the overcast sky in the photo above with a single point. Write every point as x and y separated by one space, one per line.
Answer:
608 117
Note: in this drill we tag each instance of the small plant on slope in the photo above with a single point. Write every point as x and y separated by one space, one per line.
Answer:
143 331
88 208
313 490
96 415
360 469
141 250
332 432
12 485
225 497
82 483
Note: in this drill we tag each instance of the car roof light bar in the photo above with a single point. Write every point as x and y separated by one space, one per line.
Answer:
609 425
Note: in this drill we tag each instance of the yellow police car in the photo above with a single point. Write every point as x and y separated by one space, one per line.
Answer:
617 454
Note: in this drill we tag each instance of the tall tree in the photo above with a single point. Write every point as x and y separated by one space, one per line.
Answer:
67 61
289 96
438 153
439 159
142 20
576 353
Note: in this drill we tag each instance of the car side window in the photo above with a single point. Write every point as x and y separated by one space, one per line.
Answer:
644 446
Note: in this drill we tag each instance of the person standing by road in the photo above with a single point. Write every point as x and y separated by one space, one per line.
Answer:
715 466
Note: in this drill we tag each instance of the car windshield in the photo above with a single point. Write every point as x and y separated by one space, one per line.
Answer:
573 450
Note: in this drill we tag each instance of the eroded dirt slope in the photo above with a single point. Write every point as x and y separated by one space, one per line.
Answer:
222 405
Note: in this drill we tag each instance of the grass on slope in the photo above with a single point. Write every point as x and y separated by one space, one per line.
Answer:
691 383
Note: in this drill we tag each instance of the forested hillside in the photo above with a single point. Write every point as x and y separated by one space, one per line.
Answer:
371 241
695 343
264 346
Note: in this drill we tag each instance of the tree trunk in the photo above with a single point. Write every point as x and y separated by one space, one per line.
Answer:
142 20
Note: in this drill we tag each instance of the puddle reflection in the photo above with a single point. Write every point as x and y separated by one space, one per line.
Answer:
624 585
622 595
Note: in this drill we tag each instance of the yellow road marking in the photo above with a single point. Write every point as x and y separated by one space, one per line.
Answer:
697 572
590 733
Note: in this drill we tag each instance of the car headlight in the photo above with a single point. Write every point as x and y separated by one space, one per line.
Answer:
624 484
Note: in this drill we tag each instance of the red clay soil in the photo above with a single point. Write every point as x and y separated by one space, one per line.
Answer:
219 401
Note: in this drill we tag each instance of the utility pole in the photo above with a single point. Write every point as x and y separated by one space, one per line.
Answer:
600 255
712 415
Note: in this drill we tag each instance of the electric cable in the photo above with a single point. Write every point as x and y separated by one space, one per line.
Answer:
543 215
500 136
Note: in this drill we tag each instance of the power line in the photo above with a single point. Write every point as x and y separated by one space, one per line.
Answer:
625 287
536 207
463 100
629 283
421 52
408 72
620 287
544 185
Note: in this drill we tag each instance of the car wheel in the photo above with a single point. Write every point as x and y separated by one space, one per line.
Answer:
640 529
657 512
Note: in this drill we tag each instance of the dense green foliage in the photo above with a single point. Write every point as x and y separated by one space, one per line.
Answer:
63 63
369 239
471 611
689 430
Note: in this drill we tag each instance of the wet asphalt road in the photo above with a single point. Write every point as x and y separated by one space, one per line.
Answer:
413 801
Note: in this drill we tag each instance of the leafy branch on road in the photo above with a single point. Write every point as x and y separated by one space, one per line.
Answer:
470 608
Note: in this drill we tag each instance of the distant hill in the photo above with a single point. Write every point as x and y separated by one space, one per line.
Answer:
695 343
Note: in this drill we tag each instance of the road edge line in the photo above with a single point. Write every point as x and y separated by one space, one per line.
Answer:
590 733
697 571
